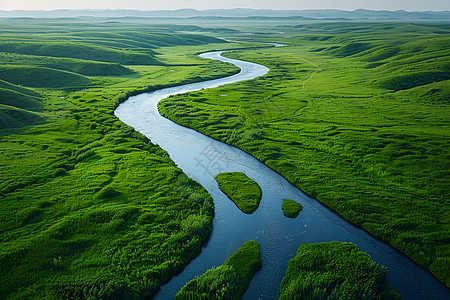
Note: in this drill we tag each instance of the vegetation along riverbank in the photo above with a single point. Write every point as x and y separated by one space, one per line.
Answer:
355 115
334 270
228 281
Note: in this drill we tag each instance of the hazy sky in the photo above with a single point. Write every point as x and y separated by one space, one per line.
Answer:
410 5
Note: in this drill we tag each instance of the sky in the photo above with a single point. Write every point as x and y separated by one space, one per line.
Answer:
409 5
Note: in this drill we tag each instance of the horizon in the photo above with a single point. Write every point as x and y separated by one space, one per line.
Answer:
347 5
208 9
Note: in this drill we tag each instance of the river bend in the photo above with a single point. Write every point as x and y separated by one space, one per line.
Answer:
201 158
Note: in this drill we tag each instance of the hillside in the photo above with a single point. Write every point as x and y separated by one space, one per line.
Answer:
30 76
11 117
78 50
80 66
69 57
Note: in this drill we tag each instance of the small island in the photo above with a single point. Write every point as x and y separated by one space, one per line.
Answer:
334 270
228 281
291 208
243 191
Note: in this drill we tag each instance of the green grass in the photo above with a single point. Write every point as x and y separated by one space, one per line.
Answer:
228 281
18 106
79 51
89 208
291 208
325 120
404 82
16 99
83 67
138 37
334 270
31 76
243 191
18 89
11 117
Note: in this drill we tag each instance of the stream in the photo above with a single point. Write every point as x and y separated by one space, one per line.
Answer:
201 158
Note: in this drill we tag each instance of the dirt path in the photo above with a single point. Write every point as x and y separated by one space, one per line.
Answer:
312 75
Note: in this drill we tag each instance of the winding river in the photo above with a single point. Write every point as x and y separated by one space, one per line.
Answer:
201 158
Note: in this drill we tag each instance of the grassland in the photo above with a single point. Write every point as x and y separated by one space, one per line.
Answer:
88 207
357 116
79 66
291 208
334 270
228 281
243 191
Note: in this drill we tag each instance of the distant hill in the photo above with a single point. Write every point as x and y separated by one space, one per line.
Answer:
78 50
11 117
319 14
31 76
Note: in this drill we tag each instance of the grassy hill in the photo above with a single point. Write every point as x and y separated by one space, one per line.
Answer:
83 67
16 103
80 51
19 96
13 98
11 117
21 90
143 40
31 76
403 62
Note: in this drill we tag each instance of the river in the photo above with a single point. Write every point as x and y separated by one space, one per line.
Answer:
201 158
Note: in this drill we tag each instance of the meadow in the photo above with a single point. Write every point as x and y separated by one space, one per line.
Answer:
354 114
89 207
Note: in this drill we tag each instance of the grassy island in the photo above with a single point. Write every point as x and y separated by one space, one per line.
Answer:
228 281
334 270
243 191
291 208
